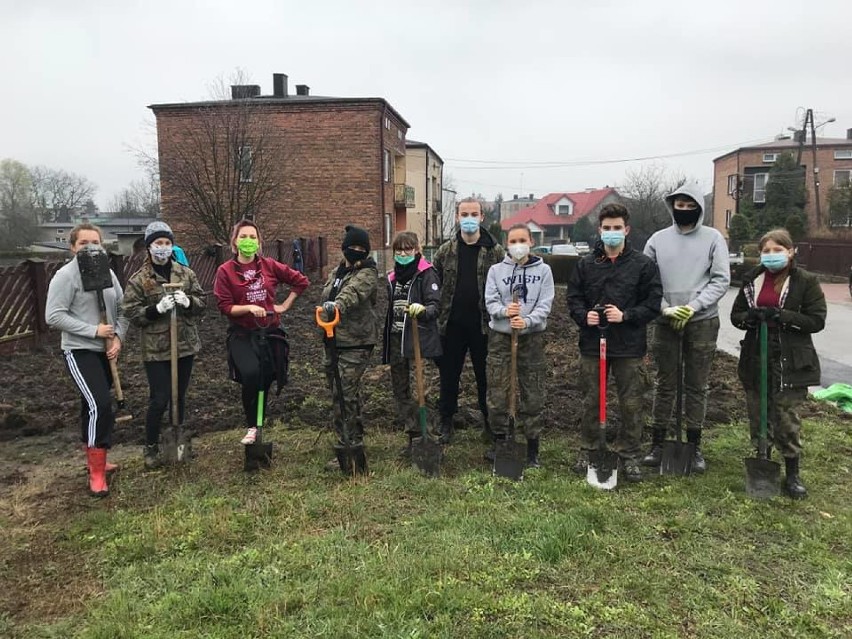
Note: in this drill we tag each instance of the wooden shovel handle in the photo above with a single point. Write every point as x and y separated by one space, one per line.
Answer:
173 352
513 367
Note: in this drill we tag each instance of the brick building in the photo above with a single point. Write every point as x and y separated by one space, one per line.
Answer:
332 160
743 173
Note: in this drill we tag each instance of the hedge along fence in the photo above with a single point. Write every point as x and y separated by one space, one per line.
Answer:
562 266
23 287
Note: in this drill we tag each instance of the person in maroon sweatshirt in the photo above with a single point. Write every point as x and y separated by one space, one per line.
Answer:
245 292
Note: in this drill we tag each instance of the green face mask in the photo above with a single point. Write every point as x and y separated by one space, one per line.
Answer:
247 246
403 260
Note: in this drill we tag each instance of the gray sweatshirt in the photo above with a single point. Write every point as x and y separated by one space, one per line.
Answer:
535 281
76 313
694 265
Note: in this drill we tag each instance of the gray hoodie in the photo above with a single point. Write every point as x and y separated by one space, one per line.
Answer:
76 313
535 281
694 264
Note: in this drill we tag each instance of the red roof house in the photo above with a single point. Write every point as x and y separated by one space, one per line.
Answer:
554 215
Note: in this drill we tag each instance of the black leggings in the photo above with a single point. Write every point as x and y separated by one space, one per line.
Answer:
244 351
90 372
159 400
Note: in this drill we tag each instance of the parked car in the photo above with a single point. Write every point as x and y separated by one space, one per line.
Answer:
564 249
582 248
541 250
736 258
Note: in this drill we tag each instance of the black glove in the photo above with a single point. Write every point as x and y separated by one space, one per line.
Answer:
328 308
755 315
772 314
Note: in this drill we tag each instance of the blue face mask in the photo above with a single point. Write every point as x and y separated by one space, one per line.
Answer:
469 225
403 260
774 261
612 238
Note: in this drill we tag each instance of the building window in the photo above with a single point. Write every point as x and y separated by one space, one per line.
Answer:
728 215
399 133
386 168
759 196
769 158
733 184
846 154
564 209
387 123
387 230
842 178
244 163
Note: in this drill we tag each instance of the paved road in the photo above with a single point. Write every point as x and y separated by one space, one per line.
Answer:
834 344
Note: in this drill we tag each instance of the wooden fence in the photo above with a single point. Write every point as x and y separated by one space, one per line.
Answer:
825 256
23 287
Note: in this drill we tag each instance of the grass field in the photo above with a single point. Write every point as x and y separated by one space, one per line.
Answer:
297 551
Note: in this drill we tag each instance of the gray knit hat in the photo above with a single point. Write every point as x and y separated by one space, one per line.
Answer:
156 230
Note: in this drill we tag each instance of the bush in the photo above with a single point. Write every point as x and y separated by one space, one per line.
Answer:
739 270
562 266
750 250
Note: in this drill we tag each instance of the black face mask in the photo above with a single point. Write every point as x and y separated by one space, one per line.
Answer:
683 217
354 255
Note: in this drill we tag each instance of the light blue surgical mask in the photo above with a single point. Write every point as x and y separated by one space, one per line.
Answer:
612 238
469 225
774 261
403 260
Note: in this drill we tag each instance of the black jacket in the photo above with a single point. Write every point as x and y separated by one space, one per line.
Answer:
793 360
631 283
425 289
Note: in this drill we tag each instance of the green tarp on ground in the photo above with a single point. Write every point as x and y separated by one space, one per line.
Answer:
840 394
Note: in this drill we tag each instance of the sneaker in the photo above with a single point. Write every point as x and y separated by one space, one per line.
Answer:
698 463
251 436
654 456
490 454
581 466
632 473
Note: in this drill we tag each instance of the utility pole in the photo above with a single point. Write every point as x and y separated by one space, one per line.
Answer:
809 122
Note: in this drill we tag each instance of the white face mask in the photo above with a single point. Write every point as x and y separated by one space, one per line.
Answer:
160 254
519 251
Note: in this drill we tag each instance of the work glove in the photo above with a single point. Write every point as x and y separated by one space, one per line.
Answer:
165 304
415 309
328 308
181 299
679 316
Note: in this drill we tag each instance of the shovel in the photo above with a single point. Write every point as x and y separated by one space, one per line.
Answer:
763 476
96 276
509 459
678 455
259 454
176 445
603 463
352 459
425 451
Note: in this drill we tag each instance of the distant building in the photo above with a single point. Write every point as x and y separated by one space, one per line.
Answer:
509 207
424 174
114 228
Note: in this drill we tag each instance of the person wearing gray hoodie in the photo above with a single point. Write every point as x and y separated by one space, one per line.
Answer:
695 271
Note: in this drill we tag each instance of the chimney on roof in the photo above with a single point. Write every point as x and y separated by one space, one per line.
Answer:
849 134
244 91
531 196
515 196
303 89
279 85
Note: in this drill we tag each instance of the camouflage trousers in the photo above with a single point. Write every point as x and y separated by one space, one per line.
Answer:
351 363
406 414
783 421
531 373
699 349
628 374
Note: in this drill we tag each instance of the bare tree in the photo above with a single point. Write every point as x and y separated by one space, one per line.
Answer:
56 193
18 224
139 198
222 166
644 191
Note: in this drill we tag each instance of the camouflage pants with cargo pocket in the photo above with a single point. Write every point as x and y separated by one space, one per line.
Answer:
629 376
352 362
699 349
531 373
405 407
783 421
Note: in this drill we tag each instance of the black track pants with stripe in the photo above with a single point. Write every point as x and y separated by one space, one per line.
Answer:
90 372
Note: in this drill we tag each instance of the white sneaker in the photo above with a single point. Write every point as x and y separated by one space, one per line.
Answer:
251 436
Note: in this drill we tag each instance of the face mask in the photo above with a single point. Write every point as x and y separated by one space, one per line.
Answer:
354 255
403 260
774 261
519 251
612 238
686 218
469 225
160 254
247 246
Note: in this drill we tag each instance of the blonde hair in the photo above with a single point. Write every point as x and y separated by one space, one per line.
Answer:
236 231
783 238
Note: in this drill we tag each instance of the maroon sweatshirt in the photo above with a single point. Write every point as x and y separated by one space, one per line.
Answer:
254 283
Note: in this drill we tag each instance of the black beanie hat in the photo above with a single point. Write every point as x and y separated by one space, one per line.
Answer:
356 236
157 229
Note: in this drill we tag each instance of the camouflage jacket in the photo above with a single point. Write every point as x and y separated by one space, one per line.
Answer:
356 298
446 262
144 290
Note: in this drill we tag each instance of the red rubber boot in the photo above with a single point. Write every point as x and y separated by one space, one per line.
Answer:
97 471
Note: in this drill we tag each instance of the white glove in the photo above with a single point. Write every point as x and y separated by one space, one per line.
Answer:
181 299
165 304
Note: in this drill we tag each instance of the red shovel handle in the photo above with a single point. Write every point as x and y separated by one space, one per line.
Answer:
602 382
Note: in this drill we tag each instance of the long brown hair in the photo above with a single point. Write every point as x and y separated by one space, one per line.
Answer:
781 237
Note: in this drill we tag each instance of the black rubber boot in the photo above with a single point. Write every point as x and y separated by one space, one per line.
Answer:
693 436
532 453
152 457
446 430
792 484
655 455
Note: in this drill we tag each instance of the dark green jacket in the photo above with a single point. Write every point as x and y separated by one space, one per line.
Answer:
793 361
356 299
144 290
446 263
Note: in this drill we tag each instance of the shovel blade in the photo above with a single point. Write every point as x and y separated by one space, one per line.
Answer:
352 459
677 458
426 454
257 456
509 459
763 478
602 471
176 446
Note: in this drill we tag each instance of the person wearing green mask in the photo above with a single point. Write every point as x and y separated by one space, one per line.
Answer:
414 294
791 302
245 288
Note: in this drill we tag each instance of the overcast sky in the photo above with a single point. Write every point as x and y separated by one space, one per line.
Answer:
490 80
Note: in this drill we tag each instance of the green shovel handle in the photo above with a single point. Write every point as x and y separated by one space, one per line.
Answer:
764 385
